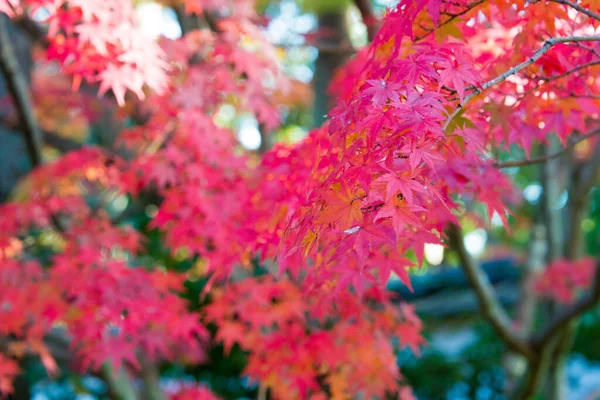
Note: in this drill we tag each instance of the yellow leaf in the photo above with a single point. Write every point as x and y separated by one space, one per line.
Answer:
384 51
448 29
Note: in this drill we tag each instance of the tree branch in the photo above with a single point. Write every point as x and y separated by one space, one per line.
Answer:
60 143
542 159
577 7
368 17
17 85
150 376
118 383
547 79
52 139
533 379
452 18
565 316
548 44
490 307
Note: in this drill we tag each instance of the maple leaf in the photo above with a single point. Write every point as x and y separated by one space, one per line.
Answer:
434 9
495 206
230 333
382 91
9 369
189 392
342 206
119 79
392 261
418 66
401 213
401 184
421 150
562 279
457 74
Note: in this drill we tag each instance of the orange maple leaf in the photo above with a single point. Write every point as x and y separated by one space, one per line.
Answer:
342 207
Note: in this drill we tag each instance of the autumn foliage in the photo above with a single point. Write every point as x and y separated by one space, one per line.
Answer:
408 149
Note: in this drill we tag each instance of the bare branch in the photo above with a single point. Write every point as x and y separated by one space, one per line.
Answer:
490 307
17 85
542 159
577 7
502 77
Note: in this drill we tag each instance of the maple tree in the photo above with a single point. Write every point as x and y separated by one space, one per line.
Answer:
425 116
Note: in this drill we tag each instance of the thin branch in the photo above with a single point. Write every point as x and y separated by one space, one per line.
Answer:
452 18
118 383
502 77
577 7
564 317
542 159
18 88
262 392
547 79
52 139
150 377
490 307
368 17
60 142
585 96
585 47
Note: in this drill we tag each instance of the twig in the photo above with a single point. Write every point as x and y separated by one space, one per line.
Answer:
547 79
585 47
542 159
17 86
569 72
452 17
577 7
486 295
502 77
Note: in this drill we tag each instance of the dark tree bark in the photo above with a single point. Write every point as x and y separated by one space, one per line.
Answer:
334 50
14 161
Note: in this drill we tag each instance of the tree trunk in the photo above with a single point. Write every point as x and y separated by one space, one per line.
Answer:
334 50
